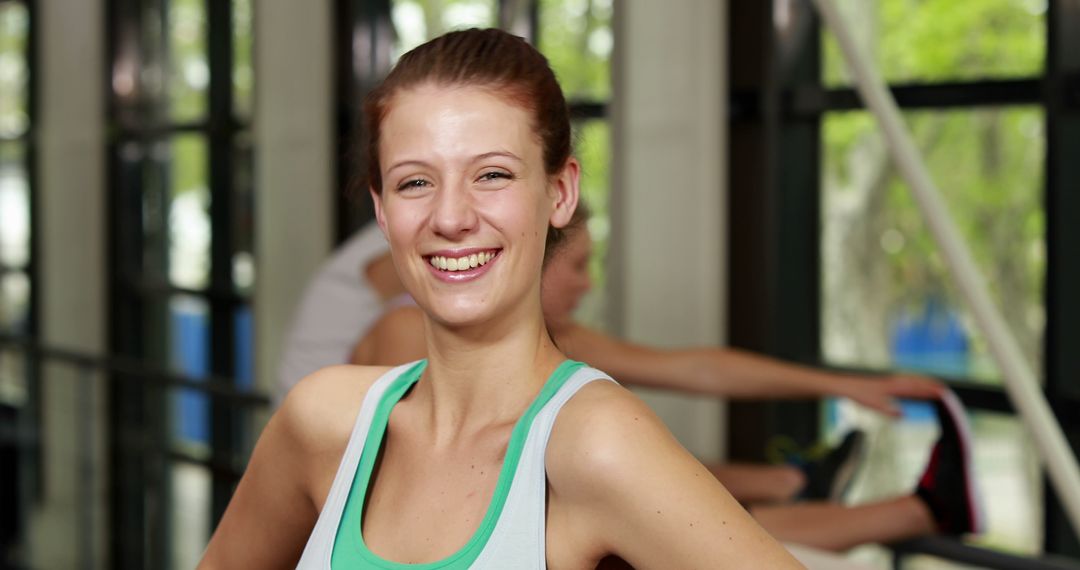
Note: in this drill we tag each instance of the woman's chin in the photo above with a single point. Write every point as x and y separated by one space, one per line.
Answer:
461 315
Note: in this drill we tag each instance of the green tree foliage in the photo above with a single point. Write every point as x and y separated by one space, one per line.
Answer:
988 163
14 26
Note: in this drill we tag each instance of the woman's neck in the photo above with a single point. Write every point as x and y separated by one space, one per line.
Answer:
484 375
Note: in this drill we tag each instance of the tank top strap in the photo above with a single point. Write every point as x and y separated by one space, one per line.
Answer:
519 539
320 543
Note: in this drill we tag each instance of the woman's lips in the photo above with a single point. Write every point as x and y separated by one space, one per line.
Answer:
461 265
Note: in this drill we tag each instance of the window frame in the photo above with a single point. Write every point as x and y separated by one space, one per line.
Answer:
131 292
775 297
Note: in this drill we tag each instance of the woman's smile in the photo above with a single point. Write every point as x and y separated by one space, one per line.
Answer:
460 265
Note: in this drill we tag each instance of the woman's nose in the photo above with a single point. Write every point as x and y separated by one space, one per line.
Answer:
454 214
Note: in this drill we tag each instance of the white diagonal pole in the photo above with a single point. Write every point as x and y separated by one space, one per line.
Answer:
1020 383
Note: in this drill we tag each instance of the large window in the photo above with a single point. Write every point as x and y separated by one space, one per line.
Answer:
18 302
888 300
575 36
16 195
984 92
181 261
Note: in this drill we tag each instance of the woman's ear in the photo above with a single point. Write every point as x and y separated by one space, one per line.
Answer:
380 217
566 190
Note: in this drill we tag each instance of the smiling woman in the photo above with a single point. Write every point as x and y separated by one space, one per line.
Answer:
496 451
451 193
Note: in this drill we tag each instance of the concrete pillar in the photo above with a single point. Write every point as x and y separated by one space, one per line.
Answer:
71 214
669 191
294 164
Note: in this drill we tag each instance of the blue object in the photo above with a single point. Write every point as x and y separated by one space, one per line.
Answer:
931 340
189 354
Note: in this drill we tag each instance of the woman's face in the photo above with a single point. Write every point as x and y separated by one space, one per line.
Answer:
466 203
566 277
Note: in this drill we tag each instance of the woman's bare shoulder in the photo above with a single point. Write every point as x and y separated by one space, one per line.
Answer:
319 412
602 428
630 489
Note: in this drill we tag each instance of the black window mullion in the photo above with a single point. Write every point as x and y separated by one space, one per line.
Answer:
224 424
773 222
806 101
370 21
127 399
1062 367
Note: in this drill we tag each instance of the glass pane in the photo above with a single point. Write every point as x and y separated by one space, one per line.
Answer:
152 193
243 227
189 354
191 487
244 349
243 73
13 377
1006 465
593 149
417 21
14 29
14 206
942 40
14 302
576 37
887 297
189 72
189 213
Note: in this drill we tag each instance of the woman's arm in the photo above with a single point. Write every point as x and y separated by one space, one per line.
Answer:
734 373
631 490
274 508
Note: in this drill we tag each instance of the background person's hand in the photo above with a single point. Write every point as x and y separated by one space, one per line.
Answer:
881 393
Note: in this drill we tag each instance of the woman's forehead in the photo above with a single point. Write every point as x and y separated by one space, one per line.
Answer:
455 123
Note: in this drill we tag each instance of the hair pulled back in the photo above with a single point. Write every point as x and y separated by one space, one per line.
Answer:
490 59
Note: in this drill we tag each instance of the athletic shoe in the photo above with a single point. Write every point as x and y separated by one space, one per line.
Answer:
829 477
948 484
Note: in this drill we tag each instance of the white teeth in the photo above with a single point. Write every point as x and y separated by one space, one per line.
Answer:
460 263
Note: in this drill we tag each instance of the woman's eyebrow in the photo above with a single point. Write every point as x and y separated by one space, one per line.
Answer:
497 154
477 158
410 162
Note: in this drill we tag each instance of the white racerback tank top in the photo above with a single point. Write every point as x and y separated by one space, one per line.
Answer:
512 533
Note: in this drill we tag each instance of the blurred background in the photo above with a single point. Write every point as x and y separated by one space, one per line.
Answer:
172 172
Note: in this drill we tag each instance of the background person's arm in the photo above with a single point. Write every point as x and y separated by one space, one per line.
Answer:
734 373
396 338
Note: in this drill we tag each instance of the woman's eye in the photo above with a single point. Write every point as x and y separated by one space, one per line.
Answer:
411 184
495 175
